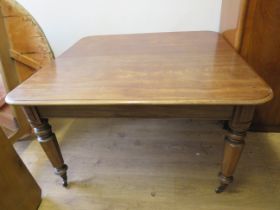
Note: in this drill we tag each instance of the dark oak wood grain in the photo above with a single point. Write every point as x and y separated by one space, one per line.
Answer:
165 68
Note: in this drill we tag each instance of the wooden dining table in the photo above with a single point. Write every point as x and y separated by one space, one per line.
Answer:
195 75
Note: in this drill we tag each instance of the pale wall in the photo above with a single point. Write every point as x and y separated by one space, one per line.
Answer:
66 21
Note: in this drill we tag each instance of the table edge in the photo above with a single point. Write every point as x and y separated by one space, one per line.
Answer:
263 100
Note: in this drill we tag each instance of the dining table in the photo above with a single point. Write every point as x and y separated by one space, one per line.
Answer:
192 75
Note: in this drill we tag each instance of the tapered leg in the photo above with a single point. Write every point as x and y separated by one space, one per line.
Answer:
234 144
48 141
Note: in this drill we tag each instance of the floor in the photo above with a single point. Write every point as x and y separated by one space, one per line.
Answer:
148 164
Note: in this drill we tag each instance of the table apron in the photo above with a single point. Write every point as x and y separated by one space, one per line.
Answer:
138 111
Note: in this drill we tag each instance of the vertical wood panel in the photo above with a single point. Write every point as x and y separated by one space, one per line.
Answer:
261 48
19 190
232 21
229 14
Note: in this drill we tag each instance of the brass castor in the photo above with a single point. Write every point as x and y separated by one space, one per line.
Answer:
225 181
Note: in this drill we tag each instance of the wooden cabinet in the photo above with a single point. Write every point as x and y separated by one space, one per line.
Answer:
259 32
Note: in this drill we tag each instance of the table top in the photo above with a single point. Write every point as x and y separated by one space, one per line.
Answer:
178 68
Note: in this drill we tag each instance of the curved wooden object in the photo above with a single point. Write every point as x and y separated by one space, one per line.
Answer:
28 44
24 49
234 36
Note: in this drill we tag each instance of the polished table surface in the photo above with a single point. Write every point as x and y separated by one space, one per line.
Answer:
161 68
193 75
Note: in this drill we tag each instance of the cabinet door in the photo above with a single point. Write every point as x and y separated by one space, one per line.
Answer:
18 189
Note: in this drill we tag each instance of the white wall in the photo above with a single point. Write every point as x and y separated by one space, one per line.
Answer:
66 21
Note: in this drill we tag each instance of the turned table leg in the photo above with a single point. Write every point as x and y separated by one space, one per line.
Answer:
234 144
48 141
